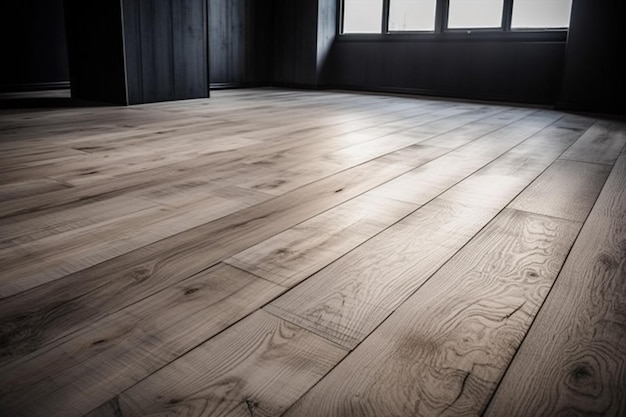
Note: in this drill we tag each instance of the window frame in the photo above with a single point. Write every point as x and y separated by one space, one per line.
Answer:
443 33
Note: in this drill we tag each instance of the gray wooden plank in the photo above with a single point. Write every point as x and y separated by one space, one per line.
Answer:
260 366
33 318
568 189
573 360
87 368
443 351
601 144
293 255
345 301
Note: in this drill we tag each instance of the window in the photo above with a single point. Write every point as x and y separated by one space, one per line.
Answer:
362 16
539 14
489 17
412 15
468 14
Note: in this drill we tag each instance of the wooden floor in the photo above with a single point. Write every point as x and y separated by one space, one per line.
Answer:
270 252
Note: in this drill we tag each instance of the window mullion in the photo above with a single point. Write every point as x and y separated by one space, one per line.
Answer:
385 22
507 15
441 22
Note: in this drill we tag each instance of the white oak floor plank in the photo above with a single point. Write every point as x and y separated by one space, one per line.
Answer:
293 255
109 286
89 367
567 189
443 351
262 373
347 300
601 144
573 360
223 256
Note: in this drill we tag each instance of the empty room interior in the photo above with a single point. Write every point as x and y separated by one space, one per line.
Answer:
313 208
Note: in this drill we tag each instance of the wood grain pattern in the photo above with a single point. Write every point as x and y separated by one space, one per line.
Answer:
372 214
445 348
262 373
567 189
89 367
31 264
601 144
17 231
426 182
293 255
345 301
499 182
68 304
573 360
468 132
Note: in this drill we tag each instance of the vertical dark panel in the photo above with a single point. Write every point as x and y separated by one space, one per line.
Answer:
157 60
259 70
96 50
240 42
32 38
326 34
132 45
220 41
190 49
295 45
594 60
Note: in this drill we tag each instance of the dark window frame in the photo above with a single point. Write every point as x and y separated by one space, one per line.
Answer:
443 33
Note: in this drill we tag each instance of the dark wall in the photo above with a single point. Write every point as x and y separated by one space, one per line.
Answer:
326 35
304 32
240 42
295 43
137 51
32 36
166 49
96 50
505 70
594 76
292 43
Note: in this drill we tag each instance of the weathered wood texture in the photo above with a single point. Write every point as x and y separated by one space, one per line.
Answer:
444 350
338 253
260 366
573 360
91 366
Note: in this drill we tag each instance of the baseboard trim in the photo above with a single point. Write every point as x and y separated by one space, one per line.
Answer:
445 95
25 87
225 86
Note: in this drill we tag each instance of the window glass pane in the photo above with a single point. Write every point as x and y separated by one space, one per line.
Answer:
412 15
362 16
541 13
475 14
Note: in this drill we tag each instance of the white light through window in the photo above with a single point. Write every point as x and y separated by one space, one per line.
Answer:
362 16
412 15
464 14
532 14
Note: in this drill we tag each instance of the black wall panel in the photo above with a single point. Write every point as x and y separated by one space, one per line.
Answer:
510 71
190 43
32 39
160 53
155 36
240 35
96 50
295 42
595 70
